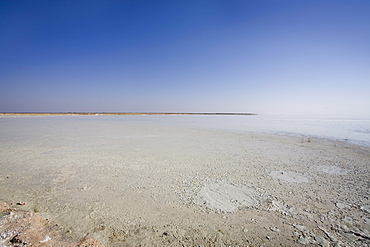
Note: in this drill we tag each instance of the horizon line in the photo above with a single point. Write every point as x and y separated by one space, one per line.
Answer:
124 113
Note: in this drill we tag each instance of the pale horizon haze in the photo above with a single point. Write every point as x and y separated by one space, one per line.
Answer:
264 57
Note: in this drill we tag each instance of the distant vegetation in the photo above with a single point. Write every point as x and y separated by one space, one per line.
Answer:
112 113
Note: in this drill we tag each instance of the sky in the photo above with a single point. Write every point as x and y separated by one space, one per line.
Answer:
262 56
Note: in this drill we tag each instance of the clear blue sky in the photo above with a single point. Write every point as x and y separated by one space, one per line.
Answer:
274 57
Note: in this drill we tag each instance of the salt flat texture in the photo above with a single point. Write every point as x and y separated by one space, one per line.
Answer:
335 170
291 177
151 181
227 197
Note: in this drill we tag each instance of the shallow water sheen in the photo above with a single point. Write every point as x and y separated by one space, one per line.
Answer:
352 129
344 128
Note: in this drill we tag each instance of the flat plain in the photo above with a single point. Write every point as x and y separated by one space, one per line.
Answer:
126 184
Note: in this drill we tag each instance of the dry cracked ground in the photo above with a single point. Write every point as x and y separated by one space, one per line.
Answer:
155 186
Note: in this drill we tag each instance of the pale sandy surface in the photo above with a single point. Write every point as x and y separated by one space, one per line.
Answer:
152 185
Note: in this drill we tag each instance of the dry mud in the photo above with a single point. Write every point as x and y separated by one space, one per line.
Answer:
22 228
118 184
